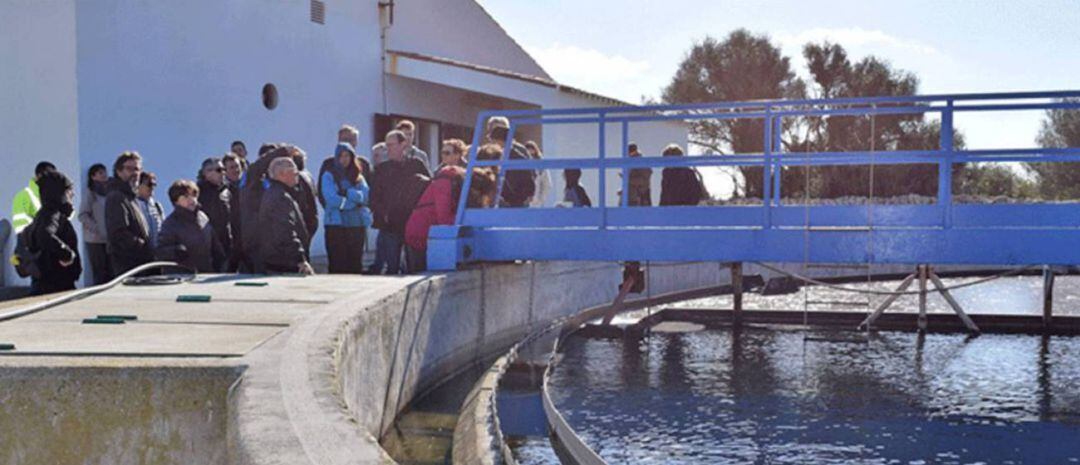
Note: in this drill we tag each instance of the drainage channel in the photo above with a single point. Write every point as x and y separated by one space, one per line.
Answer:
423 433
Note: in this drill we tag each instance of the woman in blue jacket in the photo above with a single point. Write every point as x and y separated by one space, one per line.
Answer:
346 215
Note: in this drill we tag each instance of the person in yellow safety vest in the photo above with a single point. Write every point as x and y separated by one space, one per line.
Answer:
28 201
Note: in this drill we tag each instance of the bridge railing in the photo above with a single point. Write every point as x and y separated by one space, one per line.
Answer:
772 213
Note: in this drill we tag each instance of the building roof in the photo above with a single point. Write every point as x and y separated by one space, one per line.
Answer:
543 81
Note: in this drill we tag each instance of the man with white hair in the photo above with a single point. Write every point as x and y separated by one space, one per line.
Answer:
283 235
519 186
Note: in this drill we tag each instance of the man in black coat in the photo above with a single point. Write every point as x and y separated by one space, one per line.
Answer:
394 187
234 172
54 238
283 235
128 234
187 236
214 201
519 186
680 185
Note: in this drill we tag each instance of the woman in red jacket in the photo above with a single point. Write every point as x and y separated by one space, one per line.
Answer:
438 205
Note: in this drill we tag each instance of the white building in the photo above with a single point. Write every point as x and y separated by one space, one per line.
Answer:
177 81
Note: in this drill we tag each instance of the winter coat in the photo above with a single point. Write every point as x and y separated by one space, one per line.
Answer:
252 189
640 187
54 237
189 238
518 185
577 196
214 203
236 247
129 239
25 206
680 186
391 188
436 206
346 203
304 194
154 214
92 217
283 235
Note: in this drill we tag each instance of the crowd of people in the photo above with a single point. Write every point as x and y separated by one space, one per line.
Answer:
260 215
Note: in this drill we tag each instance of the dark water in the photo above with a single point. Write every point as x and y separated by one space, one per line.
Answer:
761 396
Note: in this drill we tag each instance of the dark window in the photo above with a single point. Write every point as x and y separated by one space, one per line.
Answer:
318 12
269 96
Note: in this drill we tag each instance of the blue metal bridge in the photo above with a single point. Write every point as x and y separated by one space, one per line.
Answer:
944 232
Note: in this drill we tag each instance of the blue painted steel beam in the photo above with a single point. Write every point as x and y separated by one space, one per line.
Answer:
911 99
896 246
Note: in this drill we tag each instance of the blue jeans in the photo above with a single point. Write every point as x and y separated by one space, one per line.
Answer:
388 252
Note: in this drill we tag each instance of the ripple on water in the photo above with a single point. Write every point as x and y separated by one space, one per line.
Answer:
761 396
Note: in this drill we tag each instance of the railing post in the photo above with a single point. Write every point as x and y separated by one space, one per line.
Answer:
471 164
508 146
625 200
777 150
945 168
603 172
766 167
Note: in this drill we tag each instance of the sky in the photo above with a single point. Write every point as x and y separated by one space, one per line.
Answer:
628 49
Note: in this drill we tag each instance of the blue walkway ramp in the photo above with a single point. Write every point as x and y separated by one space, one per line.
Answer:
775 229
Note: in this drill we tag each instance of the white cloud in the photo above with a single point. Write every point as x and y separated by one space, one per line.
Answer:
854 37
594 71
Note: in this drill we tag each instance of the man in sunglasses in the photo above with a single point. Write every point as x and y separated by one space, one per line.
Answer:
150 207
215 200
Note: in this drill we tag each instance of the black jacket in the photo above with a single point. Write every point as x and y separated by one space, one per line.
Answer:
305 196
519 185
236 248
188 238
680 186
283 235
391 193
54 237
129 244
214 203
251 194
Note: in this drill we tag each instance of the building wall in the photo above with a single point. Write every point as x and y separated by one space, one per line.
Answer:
38 120
458 29
178 81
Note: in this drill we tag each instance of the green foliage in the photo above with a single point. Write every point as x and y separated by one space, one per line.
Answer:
747 67
992 180
1058 181
741 67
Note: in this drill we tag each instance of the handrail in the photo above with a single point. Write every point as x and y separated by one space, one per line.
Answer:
491 234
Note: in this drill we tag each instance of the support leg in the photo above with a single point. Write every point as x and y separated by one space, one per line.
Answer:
737 291
906 283
616 306
922 298
1048 297
953 303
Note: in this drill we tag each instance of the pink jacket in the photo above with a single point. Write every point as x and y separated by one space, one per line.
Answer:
436 206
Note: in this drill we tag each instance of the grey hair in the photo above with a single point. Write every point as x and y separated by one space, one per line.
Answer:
279 165
500 121
347 131
400 136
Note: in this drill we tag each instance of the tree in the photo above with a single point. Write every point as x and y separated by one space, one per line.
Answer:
742 67
836 76
1058 181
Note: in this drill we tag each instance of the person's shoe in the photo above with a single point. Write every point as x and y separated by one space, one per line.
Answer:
371 272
